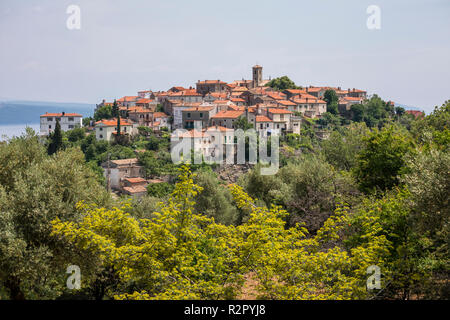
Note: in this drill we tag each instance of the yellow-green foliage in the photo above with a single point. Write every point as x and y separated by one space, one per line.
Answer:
181 254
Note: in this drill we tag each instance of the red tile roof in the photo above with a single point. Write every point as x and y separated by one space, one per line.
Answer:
228 114
113 122
135 189
218 94
184 93
295 91
308 100
139 110
160 115
61 115
278 111
135 180
276 95
130 161
352 98
221 101
415 113
263 119
128 99
199 109
211 82
286 103
141 101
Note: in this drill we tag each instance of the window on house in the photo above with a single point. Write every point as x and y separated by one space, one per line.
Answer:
101 136
125 129
101 129
201 115
49 119
261 125
50 126
189 115
278 126
70 126
71 119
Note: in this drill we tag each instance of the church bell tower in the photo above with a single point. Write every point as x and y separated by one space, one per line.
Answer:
257 76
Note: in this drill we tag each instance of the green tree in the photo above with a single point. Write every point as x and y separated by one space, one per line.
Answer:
242 123
428 182
343 145
399 111
160 190
56 140
181 254
215 201
35 190
382 160
332 100
104 112
76 134
282 83
118 125
358 112
115 109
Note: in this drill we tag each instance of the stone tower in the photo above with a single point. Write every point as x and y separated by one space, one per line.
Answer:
257 76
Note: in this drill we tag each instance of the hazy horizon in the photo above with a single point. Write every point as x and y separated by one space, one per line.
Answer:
123 47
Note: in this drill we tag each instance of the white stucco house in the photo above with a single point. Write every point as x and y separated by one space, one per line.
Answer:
68 121
105 128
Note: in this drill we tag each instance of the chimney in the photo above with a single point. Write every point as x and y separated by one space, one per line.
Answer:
63 113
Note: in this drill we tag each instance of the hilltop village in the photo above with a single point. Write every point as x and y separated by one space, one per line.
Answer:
217 106
217 103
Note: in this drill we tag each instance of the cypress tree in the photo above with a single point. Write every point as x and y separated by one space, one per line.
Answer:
115 109
118 124
56 142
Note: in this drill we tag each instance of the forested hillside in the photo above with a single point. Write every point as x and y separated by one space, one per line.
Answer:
374 192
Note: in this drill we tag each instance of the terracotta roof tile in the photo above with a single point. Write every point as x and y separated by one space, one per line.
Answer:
61 115
228 114
278 111
263 119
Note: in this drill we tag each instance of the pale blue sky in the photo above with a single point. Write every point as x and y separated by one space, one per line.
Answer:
126 46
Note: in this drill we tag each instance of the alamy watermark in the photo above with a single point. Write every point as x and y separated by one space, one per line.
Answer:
374 280
374 19
74 280
220 145
73 22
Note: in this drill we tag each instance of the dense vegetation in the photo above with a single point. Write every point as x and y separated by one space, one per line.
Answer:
282 83
374 193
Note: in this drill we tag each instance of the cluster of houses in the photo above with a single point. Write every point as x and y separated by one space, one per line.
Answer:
216 105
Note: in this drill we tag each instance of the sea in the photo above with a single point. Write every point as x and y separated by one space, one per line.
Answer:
15 116
15 130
